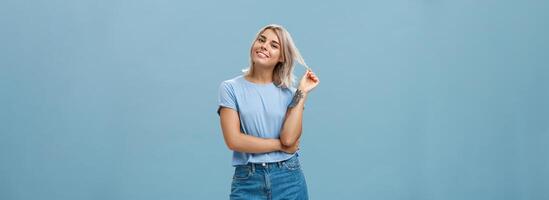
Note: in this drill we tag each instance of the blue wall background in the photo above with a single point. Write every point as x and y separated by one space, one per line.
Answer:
425 99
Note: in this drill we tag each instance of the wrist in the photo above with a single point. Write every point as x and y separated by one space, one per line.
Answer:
278 145
303 95
303 91
299 97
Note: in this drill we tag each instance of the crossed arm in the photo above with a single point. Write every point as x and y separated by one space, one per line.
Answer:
292 128
238 141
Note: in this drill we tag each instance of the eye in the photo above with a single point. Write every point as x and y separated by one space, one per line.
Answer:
261 40
274 46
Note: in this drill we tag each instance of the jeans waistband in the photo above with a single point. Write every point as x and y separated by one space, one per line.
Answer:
270 164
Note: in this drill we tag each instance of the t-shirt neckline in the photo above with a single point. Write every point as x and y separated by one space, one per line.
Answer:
257 84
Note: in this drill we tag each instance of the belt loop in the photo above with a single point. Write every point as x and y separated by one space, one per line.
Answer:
253 167
279 164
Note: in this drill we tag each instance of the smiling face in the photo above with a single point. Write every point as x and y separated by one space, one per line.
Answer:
267 49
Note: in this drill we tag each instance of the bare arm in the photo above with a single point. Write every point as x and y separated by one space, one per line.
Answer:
238 141
292 128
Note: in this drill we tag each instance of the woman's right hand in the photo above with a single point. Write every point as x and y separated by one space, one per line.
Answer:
290 149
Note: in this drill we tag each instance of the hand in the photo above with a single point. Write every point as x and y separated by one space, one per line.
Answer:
291 149
308 82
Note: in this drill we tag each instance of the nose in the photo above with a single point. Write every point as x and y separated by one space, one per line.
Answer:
263 46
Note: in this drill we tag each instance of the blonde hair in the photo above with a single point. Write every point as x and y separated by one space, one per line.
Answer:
283 73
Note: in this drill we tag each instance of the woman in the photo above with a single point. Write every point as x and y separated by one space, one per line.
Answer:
261 118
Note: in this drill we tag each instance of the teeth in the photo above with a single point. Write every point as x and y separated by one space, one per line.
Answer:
264 54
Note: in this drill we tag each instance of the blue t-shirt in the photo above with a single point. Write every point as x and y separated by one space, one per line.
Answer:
262 109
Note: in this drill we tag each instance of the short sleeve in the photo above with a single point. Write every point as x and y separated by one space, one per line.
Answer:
227 97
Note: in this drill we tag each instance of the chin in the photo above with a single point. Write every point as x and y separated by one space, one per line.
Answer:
262 62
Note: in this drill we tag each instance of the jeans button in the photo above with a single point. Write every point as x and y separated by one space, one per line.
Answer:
263 164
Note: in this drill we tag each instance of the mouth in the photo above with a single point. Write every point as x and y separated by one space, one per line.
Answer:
262 54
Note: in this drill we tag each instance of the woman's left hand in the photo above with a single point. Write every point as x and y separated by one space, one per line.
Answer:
308 82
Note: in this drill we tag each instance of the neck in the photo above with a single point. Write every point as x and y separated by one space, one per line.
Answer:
261 75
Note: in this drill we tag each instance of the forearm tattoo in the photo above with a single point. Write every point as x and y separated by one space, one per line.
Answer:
297 97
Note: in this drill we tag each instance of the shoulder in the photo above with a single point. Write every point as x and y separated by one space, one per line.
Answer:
232 83
287 92
291 90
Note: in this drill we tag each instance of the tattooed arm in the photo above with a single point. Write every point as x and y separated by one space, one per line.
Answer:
292 128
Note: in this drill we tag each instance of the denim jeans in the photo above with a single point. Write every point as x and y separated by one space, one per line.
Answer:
269 181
